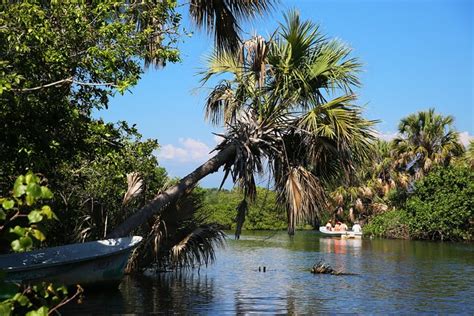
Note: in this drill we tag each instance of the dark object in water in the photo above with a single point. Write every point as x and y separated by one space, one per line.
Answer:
323 268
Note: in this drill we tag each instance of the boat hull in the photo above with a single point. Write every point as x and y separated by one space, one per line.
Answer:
93 264
344 234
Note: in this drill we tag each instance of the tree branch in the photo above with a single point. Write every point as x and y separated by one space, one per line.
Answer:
67 80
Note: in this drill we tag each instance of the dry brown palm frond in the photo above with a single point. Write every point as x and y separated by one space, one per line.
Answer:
359 205
254 54
379 207
351 215
366 192
135 187
337 196
303 194
198 247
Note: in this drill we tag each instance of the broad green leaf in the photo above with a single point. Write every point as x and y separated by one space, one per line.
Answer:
5 308
16 246
42 311
34 190
2 215
46 210
46 193
19 188
8 204
38 235
26 243
19 231
22 299
35 216
30 200
31 178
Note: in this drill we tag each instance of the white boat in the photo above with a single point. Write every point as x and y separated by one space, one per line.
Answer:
343 234
96 262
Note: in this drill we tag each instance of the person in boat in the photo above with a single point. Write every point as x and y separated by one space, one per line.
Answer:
329 226
343 227
337 227
356 228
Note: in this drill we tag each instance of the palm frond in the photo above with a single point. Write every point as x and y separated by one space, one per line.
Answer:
222 17
198 247
135 187
303 195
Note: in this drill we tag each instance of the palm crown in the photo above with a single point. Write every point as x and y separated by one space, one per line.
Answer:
279 108
426 138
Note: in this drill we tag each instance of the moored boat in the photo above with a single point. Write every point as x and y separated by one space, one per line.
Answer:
343 234
90 263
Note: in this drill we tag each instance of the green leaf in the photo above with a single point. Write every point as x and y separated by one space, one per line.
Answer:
34 190
22 299
2 215
22 244
8 204
19 188
35 216
6 308
42 311
30 200
31 178
19 231
38 235
46 210
46 193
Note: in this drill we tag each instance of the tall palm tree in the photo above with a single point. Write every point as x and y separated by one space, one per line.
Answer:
426 139
282 115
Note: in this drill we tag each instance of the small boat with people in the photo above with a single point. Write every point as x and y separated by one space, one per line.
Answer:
91 263
341 230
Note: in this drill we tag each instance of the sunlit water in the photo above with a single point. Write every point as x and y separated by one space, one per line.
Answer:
392 276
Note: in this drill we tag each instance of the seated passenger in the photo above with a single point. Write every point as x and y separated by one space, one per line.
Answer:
329 226
356 228
337 227
343 227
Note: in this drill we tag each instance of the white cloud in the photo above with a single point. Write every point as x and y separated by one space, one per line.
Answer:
188 150
464 137
386 136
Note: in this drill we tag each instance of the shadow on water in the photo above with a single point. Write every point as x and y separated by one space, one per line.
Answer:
393 276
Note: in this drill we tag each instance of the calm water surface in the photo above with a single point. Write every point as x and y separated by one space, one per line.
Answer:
393 276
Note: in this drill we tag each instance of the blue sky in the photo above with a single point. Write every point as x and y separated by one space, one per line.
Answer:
416 54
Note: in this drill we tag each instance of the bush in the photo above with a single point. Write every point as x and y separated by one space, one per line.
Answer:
391 224
440 208
442 205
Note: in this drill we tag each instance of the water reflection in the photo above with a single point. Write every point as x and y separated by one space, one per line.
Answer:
392 276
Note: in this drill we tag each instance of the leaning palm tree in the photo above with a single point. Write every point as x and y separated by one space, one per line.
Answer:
287 105
426 139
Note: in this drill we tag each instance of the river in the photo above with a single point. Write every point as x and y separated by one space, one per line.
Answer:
391 276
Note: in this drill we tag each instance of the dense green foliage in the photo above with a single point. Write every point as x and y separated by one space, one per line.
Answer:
440 207
59 62
264 213
22 218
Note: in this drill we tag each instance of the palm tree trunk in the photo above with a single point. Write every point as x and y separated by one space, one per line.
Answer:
162 200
